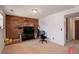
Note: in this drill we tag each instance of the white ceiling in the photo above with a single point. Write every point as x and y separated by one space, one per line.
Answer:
26 10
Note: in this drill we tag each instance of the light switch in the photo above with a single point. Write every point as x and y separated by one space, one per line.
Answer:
61 29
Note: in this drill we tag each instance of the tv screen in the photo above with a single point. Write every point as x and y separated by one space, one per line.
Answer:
28 29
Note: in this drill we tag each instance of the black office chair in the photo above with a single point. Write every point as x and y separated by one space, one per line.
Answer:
43 37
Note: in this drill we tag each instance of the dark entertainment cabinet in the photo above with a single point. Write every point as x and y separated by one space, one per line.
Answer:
28 33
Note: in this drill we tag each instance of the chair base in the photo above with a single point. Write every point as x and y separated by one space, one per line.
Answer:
44 41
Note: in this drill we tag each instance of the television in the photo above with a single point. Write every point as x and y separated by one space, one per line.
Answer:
28 29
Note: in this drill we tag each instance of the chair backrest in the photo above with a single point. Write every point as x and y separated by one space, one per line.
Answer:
42 32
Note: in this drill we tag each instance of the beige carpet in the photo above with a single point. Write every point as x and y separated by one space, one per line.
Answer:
36 47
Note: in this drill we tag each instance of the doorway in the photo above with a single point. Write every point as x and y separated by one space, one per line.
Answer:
1 33
77 29
72 27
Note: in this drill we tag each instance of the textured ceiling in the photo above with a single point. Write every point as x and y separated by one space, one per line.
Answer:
26 10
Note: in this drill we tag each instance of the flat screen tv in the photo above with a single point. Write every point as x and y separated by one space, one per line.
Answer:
28 29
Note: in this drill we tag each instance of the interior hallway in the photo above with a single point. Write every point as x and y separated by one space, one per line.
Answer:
35 47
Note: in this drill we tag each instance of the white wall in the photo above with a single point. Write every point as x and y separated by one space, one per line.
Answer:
53 23
2 32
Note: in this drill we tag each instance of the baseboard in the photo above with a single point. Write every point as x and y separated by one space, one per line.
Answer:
54 41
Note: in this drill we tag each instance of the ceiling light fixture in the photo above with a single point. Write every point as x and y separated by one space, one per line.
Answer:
35 10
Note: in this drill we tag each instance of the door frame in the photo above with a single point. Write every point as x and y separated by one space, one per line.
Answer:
65 30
